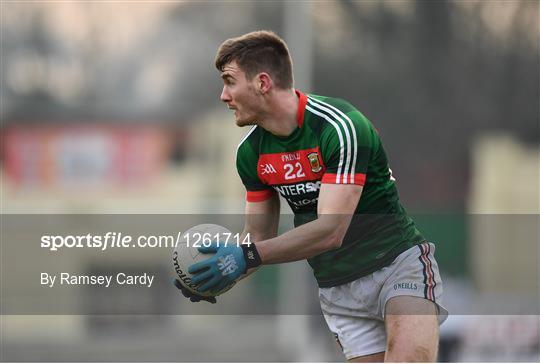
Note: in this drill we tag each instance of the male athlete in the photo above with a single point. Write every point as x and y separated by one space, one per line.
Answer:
379 283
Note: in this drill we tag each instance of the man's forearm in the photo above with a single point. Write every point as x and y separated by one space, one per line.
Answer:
306 241
255 237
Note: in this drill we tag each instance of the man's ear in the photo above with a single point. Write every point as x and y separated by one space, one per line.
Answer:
264 83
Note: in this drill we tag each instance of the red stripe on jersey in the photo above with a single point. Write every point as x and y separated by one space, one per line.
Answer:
290 167
359 179
258 196
302 101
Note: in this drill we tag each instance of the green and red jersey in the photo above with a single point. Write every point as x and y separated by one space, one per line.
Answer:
333 143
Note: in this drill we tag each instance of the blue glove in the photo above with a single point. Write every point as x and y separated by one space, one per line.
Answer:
228 263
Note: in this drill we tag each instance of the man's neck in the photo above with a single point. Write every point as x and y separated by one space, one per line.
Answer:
280 119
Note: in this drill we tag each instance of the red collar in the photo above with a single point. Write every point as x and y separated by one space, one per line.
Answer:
301 107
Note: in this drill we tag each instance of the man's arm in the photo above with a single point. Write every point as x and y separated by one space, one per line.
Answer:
261 219
261 222
336 206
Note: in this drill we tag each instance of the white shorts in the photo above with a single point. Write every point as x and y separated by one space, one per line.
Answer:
354 311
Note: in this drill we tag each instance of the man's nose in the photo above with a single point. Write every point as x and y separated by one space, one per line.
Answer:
225 97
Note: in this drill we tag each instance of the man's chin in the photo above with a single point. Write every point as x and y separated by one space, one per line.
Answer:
240 122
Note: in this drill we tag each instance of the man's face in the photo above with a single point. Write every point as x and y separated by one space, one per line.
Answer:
240 95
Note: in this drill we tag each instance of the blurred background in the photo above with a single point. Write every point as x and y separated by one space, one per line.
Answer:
113 108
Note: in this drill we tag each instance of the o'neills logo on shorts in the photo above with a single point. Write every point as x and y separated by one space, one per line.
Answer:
183 277
406 285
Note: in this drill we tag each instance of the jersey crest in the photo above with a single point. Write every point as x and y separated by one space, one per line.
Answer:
314 162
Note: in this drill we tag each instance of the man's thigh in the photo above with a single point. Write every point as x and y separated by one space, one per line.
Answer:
412 330
361 339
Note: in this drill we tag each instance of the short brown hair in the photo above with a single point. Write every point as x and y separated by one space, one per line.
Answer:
259 51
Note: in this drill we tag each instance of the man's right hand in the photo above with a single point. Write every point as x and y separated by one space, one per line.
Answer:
193 297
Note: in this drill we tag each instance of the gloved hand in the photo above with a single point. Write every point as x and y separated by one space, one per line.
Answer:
193 297
228 263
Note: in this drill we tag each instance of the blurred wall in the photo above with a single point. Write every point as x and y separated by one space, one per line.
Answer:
504 220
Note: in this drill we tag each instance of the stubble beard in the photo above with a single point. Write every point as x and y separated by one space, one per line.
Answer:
246 121
254 112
